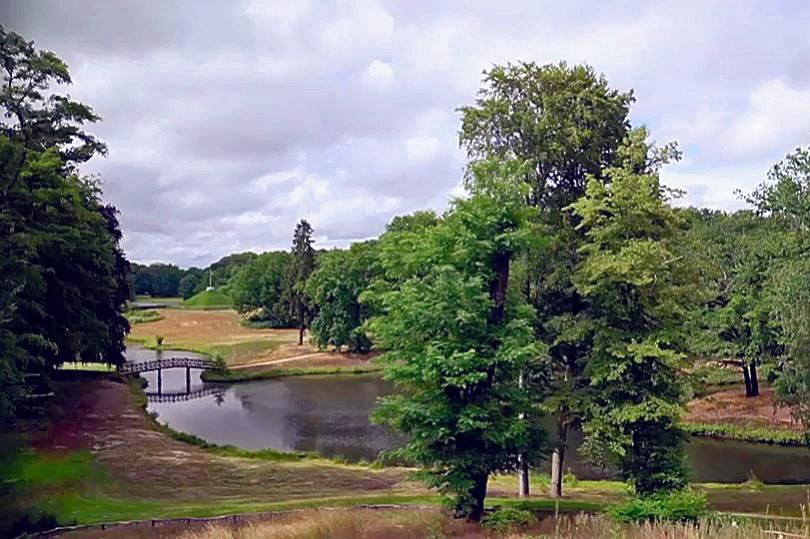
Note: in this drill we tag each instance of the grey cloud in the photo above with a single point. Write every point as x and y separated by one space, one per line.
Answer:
229 121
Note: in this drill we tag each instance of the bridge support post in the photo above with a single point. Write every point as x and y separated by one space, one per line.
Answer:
160 381
188 379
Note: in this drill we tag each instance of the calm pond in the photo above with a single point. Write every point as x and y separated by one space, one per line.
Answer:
329 415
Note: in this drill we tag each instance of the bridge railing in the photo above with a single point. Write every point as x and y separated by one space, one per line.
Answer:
167 363
180 397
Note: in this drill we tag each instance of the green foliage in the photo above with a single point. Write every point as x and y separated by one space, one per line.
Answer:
414 222
209 299
259 289
678 506
303 264
158 280
143 316
335 287
785 198
64 274
564 122
638 291
506 520
457 341
188 285
220 365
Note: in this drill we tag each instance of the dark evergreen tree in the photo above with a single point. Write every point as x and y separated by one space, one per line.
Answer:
302 267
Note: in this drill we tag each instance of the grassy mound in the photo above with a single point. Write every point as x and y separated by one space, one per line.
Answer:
208 299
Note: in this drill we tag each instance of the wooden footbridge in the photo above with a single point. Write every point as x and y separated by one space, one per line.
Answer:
167 363
188 363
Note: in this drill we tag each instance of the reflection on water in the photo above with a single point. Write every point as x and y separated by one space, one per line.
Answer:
329 415
302 414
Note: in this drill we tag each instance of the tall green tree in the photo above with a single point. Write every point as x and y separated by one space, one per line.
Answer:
638 289
334 287
302 267
258 289
735 254
784 199
567 124
457 340
62 259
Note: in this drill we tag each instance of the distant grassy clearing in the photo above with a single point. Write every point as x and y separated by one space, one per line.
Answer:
222 332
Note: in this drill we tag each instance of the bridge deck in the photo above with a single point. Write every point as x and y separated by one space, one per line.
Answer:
167 363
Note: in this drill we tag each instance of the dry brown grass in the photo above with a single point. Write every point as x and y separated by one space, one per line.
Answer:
221 332
337 524
732 407
365 524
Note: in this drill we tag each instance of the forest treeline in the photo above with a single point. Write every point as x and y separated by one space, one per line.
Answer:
564 283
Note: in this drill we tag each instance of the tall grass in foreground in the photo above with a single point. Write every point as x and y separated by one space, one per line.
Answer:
337 524
407 524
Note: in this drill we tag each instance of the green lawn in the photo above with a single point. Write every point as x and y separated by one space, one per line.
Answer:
208 299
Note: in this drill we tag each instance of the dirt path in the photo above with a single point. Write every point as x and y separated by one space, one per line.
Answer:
280 361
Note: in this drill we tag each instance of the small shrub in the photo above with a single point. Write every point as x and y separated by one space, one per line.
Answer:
159 342
569 479
143 317
753 482
677 506
508 519
220 365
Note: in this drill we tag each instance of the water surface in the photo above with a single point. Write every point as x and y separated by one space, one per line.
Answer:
329 414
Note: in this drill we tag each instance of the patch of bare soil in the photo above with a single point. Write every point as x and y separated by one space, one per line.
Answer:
101 415
732 406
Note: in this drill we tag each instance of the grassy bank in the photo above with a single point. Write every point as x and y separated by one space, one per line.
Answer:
729 431
209 300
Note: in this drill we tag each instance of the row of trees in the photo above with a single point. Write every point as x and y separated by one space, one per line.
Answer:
567 284
168 280
64 276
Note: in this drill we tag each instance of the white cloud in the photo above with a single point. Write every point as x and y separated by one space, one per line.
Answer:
422 148
777 116
378 75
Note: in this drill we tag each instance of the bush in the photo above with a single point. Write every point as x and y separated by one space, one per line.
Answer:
143 316
220 365
508 519
677 506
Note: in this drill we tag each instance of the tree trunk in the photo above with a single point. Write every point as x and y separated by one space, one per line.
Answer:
523 462
478 493
752 368
747 379
523 477
557 461
301 325
497 288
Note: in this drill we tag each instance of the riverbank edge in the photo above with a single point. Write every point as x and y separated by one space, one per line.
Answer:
716 431
760 435
146 509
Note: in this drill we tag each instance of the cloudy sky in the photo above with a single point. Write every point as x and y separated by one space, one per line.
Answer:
229 121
